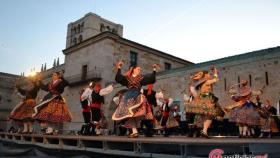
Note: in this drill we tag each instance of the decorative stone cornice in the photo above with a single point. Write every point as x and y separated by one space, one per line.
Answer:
110 35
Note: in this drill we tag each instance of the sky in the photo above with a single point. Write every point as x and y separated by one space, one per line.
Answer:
33 32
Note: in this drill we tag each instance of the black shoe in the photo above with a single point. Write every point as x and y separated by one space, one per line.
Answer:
204 135
82 131
43 130
87 130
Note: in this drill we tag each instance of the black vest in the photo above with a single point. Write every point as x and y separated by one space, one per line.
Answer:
96 98
151 98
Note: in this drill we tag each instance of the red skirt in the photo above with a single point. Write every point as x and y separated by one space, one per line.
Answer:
24 111
55 111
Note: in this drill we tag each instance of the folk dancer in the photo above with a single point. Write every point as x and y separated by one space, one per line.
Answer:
85 100
97 99
53 109
23 111
132 105
269 121
204 104
243 112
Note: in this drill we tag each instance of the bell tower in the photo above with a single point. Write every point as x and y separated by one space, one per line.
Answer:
89 26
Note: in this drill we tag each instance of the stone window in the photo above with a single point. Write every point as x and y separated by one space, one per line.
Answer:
75 30
167 66
114 31
108 28
84 72
82 27
75 40
79 28
102 27
72 31
80 38
266 78
238 81
133 58
250 80
225 84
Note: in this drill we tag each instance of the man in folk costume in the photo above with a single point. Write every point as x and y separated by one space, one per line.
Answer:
204 104
97 99
269 121
150 94
132 105
188 95
243 112
85 99
167 120
53 109
23 111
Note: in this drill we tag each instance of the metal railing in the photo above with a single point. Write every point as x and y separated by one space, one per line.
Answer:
92 75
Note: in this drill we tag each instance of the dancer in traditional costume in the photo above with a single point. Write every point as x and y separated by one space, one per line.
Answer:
188 96
269 121
167 121
150 94
204 104
132 105
23 111
243 112
97 99
85 99
53 109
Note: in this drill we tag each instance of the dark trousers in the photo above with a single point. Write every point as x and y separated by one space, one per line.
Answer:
149 131
95 114
86 116
85 130
95 117
183 127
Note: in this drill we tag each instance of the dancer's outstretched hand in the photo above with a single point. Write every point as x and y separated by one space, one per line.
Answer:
215 71
155 67
120 64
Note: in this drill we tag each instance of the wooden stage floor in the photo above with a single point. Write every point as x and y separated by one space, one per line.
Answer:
158 146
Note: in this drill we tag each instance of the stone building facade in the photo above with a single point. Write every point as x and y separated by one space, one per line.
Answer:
260 68
93 58
8 98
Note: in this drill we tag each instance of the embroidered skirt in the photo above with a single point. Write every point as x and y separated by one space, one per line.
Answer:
169 122
132 105
24 111
269 125
55 111
204 106
246 114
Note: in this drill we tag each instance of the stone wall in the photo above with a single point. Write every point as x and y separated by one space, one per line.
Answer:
255 64
8 97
